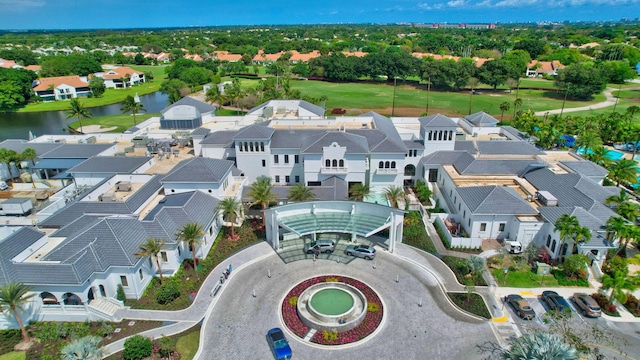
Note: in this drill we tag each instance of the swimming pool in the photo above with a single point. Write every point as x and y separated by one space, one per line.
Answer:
377 198
611 154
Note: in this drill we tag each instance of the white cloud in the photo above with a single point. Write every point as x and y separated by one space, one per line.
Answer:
557 3
456 3
13 4
424 6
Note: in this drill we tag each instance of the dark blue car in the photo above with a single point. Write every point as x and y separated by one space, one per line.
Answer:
556 302
278 344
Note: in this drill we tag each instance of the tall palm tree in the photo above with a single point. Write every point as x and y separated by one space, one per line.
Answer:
85 348
14 298
151 248
261 192
623 170
628 210
77 110
516 104
619 282
616 227
568 226
476 264
191 234
231 210
359 191
539 345
588 140
214 95
582 235
394 194
599 155
504 107
299 193
129 104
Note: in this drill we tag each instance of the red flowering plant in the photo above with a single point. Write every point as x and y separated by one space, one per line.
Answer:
371 321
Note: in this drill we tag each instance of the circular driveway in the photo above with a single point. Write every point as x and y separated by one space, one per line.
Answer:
237 326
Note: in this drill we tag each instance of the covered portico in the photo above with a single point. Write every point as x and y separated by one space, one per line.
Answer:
351 217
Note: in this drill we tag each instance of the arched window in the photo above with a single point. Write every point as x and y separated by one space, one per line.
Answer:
261 146
440 135
548 240
393 164
341 163
251 146
380 164
257 146
334 163
49 299
327 163
553 246
71 299
386 164
246 146
430 134
410 170
240 147
450 135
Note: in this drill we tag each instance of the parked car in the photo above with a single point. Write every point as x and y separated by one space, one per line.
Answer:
556 302
363 251
320 246
587 304
521 307
278 344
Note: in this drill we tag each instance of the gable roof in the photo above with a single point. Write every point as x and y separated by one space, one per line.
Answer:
111 164
254 132
355 144
75 151
437 120
119 72
586 168
508 147
223 138
443 157
493 199
202 107
199 169
466 145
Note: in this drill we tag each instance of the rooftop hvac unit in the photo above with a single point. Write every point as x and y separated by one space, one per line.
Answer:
108 197
123 186
546 198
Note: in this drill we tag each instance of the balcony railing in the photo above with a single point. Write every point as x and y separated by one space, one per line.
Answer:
334 170
386 171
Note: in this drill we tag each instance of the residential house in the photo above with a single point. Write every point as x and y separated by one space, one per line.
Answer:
121 77
61 87
541 68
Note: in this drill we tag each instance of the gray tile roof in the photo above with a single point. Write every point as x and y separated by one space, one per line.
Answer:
77 226
19 146
443 157
499 200
312 108
586 168
202 107
497 167
178 209
482 119
463 162
147 191
508 147
292 138
379 142
585 218
466 145
200 169
437 120
110 164
200 132
414 144
222 138
513 131
385 125
355 144
75 151
254 132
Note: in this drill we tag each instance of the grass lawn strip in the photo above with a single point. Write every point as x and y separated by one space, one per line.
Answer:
122 122
473 303
187 343
15 355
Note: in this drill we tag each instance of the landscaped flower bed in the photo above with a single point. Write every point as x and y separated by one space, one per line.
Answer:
372 319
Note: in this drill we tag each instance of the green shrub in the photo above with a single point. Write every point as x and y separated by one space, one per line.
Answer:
414 233
120 293
9 339
166 346
105 330
615 264
137 347
423 192
168 292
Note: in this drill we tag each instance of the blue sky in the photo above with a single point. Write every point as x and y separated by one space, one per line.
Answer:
82 14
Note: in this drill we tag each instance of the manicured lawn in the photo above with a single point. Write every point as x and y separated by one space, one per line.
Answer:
229 112
122 121
473 303
187 345
620 108
16 355
110 96
523 279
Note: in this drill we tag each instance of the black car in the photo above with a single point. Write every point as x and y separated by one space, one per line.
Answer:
556 302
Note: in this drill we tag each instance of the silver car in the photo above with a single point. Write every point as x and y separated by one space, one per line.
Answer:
363 251
320 246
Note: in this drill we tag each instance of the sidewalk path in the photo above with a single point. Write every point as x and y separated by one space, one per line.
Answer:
610 101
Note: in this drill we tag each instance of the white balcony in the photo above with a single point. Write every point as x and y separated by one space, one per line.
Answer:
386 171
334 170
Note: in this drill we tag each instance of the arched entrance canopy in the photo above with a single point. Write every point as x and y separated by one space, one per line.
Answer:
353 217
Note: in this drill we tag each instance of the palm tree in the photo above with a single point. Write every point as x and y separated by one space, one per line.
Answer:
588 140
618 199
358 192
623 170
539 345
131 105
28 154
582 235
14 297
151 248
261 192
504 107
214 95
628 210
619 282
516 104
599 155
299 193
394 194
191 234
85 348
77 110
231 210
616 226
476 264
568 226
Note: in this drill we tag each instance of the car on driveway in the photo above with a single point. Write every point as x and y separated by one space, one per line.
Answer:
521 307
555 301
320 246
587 305
364 251
278 344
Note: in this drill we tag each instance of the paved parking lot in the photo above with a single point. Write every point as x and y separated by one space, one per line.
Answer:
237 326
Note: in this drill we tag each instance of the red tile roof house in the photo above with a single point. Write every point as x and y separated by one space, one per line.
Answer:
540 68
121 77
61 87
